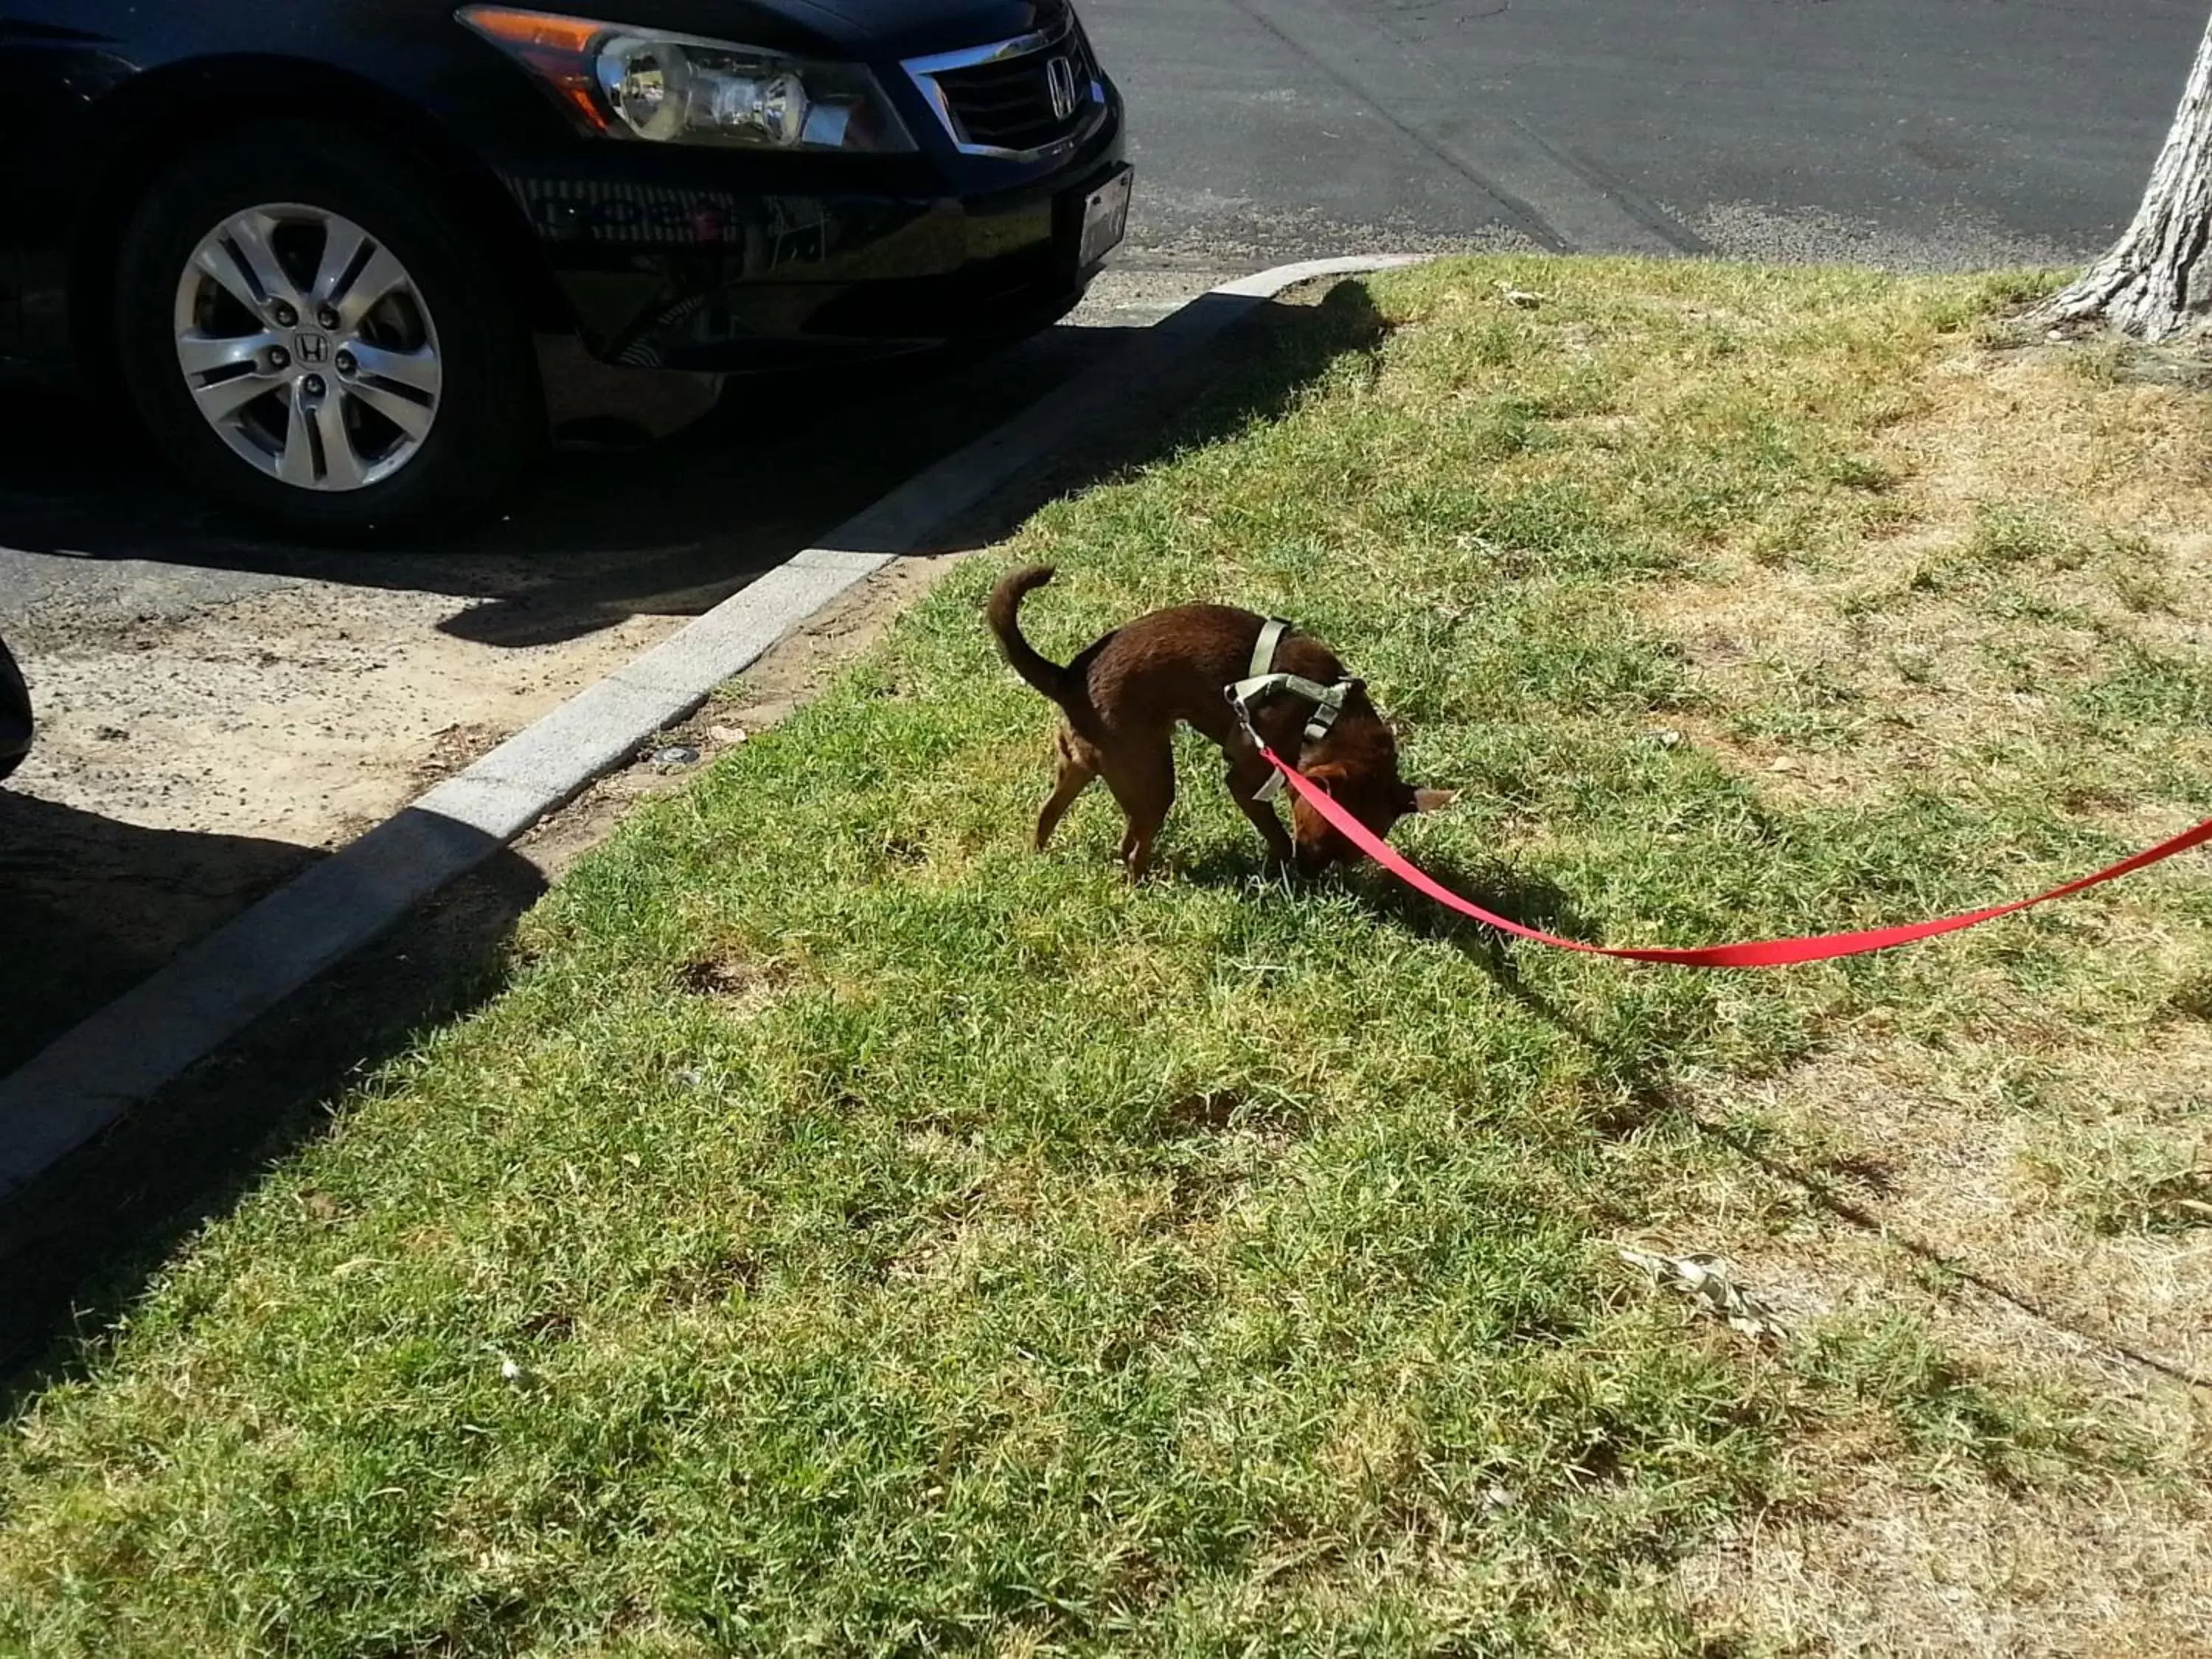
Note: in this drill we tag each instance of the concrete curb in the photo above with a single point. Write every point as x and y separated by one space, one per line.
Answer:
120 1057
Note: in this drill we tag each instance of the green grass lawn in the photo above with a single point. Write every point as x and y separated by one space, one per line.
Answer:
849 1233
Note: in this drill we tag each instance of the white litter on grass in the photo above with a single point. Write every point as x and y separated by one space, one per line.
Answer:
1711 1280
1519 296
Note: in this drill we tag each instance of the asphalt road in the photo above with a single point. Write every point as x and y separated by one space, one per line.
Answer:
1924 132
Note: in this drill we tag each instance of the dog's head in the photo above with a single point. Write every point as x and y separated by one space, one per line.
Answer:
1363 777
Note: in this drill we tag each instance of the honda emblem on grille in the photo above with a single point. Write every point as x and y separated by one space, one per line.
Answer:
1060 77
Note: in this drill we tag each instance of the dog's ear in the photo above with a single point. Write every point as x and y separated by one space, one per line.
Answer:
1328 773
1433 800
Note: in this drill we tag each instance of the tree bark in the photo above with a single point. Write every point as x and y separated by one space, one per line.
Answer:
2156 280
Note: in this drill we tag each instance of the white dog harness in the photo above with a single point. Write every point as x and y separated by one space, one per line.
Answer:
1263 680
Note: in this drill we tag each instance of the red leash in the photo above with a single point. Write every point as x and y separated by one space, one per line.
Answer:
1762 953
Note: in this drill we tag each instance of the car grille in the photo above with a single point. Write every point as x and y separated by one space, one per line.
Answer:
1003 100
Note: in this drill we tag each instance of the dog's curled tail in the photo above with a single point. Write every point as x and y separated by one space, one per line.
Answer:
1005 614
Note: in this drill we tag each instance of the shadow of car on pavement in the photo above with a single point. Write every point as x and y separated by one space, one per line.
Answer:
674 530
594 536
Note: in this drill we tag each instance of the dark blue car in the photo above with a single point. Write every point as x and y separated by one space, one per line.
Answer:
14 714
352 259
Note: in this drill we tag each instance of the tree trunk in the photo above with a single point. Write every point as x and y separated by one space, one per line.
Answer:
2156 281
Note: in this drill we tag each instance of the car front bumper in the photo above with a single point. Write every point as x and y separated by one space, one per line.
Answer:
666 266
17 725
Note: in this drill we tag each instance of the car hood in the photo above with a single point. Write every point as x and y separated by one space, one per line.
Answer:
862 28
875 30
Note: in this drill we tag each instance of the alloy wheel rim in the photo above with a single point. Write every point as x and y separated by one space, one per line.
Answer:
308 348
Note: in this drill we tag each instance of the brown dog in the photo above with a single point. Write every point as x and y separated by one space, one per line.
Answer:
1124 694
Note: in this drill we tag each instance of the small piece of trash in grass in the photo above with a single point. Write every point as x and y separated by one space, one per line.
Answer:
676 754
518 1375
1519 296
1712 1279
2181 1198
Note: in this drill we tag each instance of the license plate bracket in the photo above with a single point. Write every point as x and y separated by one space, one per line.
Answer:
1102 217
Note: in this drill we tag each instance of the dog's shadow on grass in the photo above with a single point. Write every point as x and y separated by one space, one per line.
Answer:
1644 1090
1495 886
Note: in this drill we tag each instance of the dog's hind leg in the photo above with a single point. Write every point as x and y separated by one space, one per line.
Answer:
1142 777
1078 764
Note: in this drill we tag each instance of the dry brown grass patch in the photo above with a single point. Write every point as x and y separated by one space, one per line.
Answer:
2031 523
740 986
1898 1569
1887 1179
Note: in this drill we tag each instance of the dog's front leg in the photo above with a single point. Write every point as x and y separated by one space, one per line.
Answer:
1247 776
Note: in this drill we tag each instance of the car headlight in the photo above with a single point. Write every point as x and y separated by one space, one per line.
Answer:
627 82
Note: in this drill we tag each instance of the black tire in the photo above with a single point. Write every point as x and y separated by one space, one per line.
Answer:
15 723
490 417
